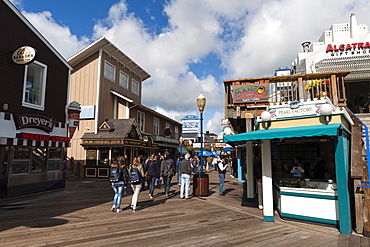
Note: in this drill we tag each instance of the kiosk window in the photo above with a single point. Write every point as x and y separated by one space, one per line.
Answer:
21 160
38 160
54 159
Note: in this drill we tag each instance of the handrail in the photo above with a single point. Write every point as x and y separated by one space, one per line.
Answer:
367 145
73 161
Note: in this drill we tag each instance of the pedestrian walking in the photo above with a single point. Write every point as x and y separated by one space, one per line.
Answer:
136 174
118 177
181 157
167 172
152 168
185 170
221 168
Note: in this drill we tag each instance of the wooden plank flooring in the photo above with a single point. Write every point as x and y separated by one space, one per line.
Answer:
81 216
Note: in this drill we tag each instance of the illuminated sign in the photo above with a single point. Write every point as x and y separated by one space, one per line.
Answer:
250 93
40 137
24 55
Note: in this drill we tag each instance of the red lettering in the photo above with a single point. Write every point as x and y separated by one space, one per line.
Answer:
341 47
360 45
335 48
329 48
60 139
354 45
367 44
348 47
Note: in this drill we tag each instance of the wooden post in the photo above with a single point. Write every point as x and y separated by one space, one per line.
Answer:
249 159
267 189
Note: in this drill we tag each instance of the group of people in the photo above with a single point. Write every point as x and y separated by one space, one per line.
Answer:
148 171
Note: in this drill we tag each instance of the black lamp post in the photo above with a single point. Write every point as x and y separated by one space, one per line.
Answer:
201 103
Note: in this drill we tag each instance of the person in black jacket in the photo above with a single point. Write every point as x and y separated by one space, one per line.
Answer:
153 169
167 172
185 170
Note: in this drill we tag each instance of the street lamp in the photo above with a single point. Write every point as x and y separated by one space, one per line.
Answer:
201 103
181 141
326 110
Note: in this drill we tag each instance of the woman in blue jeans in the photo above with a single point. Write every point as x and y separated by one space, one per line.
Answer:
119 185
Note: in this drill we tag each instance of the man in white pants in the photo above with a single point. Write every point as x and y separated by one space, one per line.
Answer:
185 170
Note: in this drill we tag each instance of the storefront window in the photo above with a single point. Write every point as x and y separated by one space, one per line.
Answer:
104 156
54 159
21 160
38 160
34 85
302 164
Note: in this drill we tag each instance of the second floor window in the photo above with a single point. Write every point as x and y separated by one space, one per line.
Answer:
34 85
123 80
109 71
141 120
135 87
156 126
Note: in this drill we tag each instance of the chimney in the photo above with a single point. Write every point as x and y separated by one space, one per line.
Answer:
353 27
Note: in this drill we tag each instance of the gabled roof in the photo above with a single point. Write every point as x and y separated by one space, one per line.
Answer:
112 50
118 129
38 34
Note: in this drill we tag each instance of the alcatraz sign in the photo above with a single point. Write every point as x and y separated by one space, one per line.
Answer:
34 121
348 49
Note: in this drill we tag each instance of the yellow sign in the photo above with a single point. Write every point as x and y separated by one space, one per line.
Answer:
103 142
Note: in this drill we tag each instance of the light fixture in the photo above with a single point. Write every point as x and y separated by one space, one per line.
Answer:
5 107
326 110
266 119
201 103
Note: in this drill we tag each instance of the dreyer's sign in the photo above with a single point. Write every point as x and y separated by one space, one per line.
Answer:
34 121
250 93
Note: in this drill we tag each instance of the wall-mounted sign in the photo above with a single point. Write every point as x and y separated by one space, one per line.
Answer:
294 109
24 55
40 137
87 112
250 93
360 48
101 141
34 121
167 132
134 143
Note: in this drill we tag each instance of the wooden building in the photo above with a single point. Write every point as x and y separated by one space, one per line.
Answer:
301 121
108 85
33 100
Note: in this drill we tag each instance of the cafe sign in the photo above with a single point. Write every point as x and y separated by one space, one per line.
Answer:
24 55
34 121
250 93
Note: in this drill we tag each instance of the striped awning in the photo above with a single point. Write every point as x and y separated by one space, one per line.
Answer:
32 143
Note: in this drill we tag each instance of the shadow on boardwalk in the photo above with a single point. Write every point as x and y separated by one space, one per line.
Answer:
81 216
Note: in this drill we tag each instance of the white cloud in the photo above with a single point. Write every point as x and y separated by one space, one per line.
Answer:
59 36
213 125
252 39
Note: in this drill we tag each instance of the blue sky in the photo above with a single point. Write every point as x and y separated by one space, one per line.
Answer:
191 46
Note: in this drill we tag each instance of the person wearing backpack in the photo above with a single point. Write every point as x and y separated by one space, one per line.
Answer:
118 178
136 174
167 172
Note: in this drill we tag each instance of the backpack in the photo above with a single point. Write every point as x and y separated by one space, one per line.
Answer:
134 175
114 174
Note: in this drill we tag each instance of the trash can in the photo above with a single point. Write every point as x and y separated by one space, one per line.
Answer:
201 184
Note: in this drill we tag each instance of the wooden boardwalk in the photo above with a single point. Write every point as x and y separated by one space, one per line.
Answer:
81 216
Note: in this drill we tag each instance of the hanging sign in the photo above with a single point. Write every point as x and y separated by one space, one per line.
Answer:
24 55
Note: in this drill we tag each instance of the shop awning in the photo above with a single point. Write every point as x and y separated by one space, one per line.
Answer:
182 150
292 132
